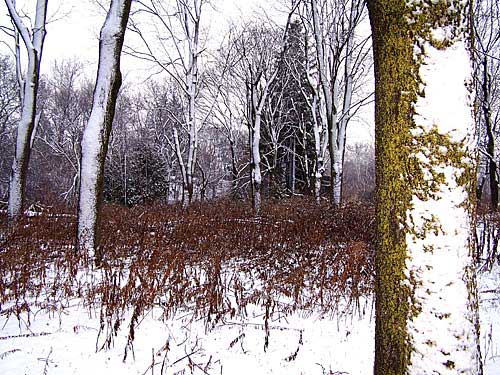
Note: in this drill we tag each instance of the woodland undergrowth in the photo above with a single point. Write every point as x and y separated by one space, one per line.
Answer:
211 261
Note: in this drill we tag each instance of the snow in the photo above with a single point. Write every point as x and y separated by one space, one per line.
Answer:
440 262
64 342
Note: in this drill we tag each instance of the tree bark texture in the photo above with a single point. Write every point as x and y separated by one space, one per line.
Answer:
426 302
97 131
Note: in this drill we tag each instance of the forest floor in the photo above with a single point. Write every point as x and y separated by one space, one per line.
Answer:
208 291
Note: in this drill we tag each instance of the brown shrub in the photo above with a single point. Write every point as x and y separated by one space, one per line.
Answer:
211 260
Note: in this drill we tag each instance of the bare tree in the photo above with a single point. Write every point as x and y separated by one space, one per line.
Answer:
180 60
259 50
258 61
9 112
487 64
66 99
425 285
340 58
97 131
33 40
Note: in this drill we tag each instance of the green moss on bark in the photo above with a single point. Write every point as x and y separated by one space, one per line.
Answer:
398 32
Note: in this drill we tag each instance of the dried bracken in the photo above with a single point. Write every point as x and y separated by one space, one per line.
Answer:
210 261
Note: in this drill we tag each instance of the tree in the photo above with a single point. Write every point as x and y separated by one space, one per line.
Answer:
259 50
9 111
66 101
287 123
97 131
487 80
425 286
182 24
340 58
33 40
256 48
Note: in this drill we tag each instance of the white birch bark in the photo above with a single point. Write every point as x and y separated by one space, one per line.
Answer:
33 41
180 161
337 104
193 34
320 126
96 135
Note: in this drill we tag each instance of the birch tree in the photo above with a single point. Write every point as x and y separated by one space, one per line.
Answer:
259 53
97 131
180 60
259 70
33 40
317 108
339 56
425 286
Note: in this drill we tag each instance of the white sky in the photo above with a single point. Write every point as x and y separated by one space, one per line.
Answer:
74 25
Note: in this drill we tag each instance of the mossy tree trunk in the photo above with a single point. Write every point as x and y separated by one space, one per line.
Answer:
426 307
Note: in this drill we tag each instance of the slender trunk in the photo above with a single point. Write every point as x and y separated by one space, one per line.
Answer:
317 130
426 300
339 144
490 147
337 173
256 173
97 131
294 168
33 41
234 170
317 187
186 182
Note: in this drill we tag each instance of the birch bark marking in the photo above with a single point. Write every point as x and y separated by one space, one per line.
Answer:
341 133
426 303
337 103
28 87
97 131
328 90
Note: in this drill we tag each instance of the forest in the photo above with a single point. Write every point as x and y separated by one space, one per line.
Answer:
310 187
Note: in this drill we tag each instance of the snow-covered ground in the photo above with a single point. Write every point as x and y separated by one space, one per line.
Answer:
68 342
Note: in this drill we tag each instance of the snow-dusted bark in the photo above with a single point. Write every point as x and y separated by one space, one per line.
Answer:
97 131
331 60
426 302
440 266
329 90
175 47
320 141
259 72
33 41
190 18
185 183
257 105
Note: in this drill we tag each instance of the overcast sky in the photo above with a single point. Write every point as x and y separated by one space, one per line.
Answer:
73 27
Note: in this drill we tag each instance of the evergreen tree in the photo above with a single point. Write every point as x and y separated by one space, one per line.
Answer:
287 124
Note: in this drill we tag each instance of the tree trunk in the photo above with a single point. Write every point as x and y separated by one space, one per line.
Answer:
33 41
425 286
490 147
97 131
256 173
234 171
